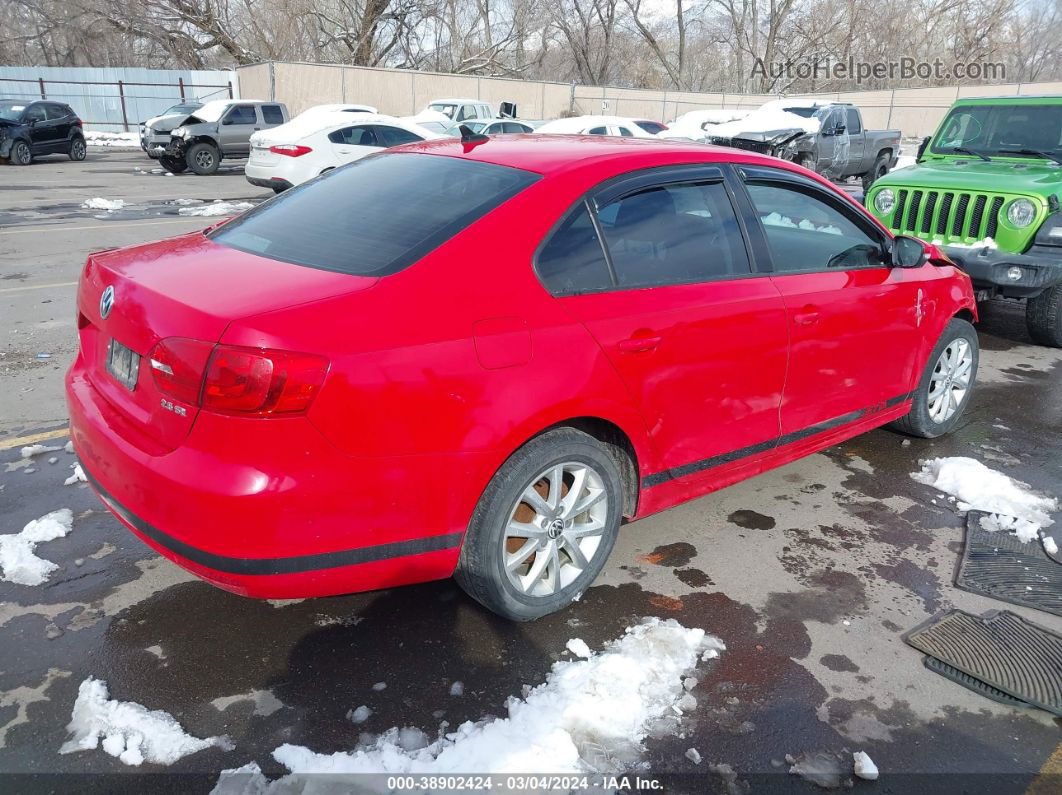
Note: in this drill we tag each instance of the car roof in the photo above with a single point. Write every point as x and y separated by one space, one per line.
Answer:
460 101
552 153
1015 97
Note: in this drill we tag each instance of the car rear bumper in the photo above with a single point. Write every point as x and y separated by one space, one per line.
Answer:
988 270
269 182
269 508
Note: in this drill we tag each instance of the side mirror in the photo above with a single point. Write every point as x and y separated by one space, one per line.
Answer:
33 122
922 147
908 252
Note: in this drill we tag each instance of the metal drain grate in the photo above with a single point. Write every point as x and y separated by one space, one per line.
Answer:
1001 649
999 565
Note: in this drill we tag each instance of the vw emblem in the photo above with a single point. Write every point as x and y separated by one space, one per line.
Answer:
106 302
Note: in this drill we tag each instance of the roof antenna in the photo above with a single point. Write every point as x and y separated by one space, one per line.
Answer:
470 137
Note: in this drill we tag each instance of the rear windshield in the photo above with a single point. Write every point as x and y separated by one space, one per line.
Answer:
375 216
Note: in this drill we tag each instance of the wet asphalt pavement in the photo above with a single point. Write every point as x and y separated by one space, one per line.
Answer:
810 574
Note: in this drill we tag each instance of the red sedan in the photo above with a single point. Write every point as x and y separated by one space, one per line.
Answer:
474 359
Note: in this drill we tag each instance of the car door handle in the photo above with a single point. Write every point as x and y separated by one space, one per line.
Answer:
639 344
808 316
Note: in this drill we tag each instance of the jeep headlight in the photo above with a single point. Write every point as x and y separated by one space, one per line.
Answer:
180 132
885 201
1021 213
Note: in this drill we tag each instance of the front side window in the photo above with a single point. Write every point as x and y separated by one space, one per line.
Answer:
354 136
272 114
241 114
804 233
35 113
375 216
674 234
445 108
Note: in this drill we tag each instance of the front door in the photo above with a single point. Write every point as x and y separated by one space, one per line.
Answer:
853 319
41 135
697 336
236 129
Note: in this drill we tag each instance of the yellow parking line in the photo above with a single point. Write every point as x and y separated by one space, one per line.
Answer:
33 438
37 287
1050 776
57 228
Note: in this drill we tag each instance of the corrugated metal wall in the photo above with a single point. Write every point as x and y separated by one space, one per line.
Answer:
914 111
100 105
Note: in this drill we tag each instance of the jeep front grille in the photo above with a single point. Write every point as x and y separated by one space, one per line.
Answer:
947 216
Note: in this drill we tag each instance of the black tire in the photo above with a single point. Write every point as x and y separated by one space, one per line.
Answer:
77 150
481 569
21 154
880 169
173 164
203 158
919 421
1043 317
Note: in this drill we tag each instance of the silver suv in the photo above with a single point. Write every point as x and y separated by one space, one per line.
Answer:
220 129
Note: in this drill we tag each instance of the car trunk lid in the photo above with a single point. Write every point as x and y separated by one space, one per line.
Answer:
189 287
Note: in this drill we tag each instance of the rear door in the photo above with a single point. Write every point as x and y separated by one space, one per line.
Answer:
60 120
853 320
857 142
353 142
239 122
698 336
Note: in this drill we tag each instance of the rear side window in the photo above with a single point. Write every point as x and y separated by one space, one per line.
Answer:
241 114
375 216
572 261
625 132
272 114
354 136
56 112
853 122
598 131
395 136
675 234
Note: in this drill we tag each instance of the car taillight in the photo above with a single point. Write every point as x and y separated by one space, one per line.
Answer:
291 150
261 381
177 366
234 380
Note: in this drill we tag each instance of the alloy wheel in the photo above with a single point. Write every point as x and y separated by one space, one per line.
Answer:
555 528
21 154
78 150
950 380
204 158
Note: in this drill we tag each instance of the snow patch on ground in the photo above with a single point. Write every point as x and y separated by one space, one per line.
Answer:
265 703
97 138
1017 508
216 208
1050 547
17 560
987 243
99 203
37 449
129 731
77 477
589 715
864 766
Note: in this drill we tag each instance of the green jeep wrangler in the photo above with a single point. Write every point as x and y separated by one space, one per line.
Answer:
987 187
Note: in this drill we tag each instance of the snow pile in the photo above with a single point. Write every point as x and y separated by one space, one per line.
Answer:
17 561
218 207
1013 505
589 715
77 477
698 124
99 203
987 243
777 219
903 161
36 449
129 731
774 115
96 138
864 766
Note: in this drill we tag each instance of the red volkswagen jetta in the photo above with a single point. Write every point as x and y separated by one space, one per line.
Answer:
475 359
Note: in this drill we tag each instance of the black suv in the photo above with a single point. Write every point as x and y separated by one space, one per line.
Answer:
42 127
